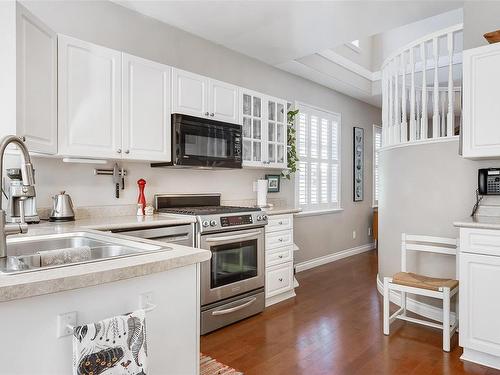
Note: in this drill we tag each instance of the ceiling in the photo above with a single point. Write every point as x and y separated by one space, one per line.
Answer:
280 32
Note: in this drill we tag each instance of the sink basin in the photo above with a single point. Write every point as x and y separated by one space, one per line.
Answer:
23 252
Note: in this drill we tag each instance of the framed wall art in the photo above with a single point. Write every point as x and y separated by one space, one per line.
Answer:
273 183
358 151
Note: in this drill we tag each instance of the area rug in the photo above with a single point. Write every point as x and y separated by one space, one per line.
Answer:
209 366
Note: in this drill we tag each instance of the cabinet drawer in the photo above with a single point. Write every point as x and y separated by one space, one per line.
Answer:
279 255
279 279
279 239
480 241
279 222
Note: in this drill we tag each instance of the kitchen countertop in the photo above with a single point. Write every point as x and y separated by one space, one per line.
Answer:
55 280
484 222
281 210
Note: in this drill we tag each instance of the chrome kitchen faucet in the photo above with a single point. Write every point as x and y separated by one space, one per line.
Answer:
27 191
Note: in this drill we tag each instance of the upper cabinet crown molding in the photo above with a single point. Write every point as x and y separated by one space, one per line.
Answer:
200 96
29 78
481 95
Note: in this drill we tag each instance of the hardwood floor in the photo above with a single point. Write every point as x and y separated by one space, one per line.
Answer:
334 326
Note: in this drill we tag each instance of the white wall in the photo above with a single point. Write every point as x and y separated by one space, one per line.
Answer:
479 18
423 190
116 27
386 43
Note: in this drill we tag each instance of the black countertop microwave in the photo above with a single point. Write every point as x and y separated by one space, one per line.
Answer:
205 143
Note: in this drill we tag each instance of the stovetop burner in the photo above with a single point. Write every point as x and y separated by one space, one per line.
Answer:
207 210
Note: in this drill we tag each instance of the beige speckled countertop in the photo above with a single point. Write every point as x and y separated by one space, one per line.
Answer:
55 280
483 222
281 210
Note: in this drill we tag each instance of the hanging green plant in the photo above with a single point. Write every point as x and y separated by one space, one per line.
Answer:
292 157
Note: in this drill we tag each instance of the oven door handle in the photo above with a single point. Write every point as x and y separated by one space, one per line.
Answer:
233 309
230 238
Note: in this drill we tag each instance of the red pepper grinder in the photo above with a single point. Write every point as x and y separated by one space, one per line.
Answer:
142 198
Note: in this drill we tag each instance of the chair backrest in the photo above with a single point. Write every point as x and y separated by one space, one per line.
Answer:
428 244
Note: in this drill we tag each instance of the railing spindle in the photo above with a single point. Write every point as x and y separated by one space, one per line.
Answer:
391 109
423 119
397 116
443 112
404 124
450 119
413 125
435 112
384 108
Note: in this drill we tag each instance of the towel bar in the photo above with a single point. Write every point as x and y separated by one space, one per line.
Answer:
150 307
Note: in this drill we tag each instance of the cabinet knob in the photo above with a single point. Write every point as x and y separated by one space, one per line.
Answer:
206 113
280 279
280 256
119 151
280 223
212 114
280 239
127 151
23 138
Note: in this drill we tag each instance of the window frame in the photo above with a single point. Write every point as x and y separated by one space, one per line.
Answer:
311 210
375 166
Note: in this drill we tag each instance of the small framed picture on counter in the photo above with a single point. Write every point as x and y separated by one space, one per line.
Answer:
273 183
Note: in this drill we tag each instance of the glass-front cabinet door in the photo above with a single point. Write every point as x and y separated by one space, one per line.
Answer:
264 130
276 133
252 120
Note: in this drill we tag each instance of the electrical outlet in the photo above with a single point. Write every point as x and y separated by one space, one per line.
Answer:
369 231
63 320
145 299
353 234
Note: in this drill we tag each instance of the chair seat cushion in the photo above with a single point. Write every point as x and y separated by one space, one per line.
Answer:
424 282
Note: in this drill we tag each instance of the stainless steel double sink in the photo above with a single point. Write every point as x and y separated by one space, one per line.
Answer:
24 252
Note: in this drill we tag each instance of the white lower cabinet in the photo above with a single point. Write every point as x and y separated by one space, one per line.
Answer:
279 279
479 291
279 259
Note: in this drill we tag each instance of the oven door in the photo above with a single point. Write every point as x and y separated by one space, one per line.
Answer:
236 266
206 143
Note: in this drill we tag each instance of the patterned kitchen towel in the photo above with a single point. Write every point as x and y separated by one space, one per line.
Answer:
114 346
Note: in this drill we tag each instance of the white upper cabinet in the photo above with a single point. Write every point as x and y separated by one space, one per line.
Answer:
190 93
89 100
28 79
223 101
264 130
204 97
146 109
37 83
481 95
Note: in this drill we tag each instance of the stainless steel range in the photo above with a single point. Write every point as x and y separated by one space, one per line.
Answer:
232 281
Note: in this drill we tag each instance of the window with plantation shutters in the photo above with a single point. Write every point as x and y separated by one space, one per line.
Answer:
377 144
318 148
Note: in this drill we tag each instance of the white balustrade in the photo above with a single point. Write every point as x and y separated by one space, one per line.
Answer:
427 105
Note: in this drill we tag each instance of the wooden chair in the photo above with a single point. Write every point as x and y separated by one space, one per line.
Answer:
407 282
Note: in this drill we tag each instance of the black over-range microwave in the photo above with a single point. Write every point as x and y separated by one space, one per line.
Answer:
202 142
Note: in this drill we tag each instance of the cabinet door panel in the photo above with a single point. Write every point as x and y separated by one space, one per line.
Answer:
190 92
479 305
224 101
89 99
36 83
480 105
146 109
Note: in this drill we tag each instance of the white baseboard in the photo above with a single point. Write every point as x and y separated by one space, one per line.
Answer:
308 264
280 297
417 307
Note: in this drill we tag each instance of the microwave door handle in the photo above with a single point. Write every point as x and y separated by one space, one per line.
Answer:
230 238
233 309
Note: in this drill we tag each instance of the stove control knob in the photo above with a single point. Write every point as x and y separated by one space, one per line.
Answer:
264 217
259 218
213 223
205 223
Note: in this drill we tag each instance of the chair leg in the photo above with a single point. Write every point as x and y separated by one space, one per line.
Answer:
446 320
403 302
386 306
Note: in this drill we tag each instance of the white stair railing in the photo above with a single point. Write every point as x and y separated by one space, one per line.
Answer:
417 104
